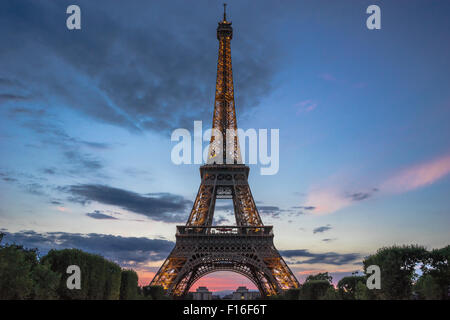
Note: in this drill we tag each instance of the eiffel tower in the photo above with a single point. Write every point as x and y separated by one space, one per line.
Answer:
246 248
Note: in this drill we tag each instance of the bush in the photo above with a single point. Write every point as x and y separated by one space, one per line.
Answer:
347 286
155 292
314 289
331 294
292 294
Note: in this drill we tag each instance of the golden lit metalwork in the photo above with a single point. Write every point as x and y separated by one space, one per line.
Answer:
246 248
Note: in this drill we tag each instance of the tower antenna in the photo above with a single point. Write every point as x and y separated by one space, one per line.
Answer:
224 12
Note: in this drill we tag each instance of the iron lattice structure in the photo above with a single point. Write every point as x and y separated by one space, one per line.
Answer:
246 248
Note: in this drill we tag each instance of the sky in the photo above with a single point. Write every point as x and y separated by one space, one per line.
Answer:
86 118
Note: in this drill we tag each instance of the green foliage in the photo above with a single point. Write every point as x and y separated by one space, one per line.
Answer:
291 294
397 265
46 283
320 276
59 260
362 292
331 294
23 277
155 292
314 289
112 281
439 269
16 278
347 286
100 278
428 288
129 285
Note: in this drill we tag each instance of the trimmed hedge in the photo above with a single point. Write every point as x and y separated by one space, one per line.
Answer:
100 278
129 285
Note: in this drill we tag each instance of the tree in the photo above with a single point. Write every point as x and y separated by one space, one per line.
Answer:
129 285
362 292
428 288
438 267
320 276
397 265
314 289
315 286
22 276
16 265
45 283
331 294
347 286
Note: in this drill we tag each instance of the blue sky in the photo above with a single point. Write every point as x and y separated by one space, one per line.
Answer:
86 118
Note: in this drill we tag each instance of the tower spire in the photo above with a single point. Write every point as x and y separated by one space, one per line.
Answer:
224 12
224 144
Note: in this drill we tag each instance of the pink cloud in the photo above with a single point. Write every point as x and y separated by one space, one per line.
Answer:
335 196
418 175
305 106
326 200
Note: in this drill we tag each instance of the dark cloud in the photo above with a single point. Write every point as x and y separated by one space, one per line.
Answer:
99 215
267 210
86 161
7 178
27 182
224 207
50 133
322 229
221 220
8 97
148 71
359 196
304 207
272 211
35 189
165 207
325 258
50 171
328 239
124 250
